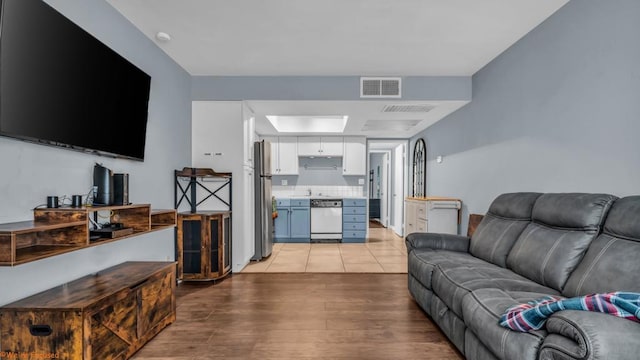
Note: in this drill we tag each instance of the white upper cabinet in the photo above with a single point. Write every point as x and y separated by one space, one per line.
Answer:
354 161
284 156
288 156
332 146
320 146
309 146
218 137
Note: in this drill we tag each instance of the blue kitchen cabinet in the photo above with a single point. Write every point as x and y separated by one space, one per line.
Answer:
282 223
293 224
300 221
354 220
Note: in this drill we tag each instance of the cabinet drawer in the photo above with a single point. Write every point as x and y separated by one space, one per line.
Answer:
299 202
421 211
354 234
421 226
283 202
354 202
348 226
51 332
353 210
353 218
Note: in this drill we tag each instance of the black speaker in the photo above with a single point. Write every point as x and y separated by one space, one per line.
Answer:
121 189
103 185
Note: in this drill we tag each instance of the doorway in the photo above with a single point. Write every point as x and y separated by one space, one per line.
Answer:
379 194
388 171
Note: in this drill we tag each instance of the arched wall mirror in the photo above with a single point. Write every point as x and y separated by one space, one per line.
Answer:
419 169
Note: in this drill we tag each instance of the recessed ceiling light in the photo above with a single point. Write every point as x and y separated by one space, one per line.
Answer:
163 36
308 124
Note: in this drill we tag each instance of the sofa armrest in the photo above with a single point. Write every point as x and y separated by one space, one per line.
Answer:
437 241
589 336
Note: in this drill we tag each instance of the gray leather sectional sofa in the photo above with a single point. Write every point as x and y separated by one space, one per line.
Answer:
529 245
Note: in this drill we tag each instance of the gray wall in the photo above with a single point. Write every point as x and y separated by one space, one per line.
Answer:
31 172
322 88
557 112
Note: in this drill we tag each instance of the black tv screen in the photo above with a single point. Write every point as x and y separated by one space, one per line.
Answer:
61 86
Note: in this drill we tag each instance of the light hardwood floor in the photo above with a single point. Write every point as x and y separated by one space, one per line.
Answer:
299 316
383 252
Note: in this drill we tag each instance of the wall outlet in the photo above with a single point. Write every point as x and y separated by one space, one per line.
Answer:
360 181
284 182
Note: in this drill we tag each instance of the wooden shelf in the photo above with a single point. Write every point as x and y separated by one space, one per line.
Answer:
163 218
61 230
201 173
38 252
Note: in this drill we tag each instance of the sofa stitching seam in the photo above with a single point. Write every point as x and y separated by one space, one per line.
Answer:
520 244
548 257
593 264
495 246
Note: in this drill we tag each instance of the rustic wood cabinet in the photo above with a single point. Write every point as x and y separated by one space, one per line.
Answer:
61 230
103 316
204 245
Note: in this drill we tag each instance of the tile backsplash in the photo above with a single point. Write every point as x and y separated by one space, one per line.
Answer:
283 191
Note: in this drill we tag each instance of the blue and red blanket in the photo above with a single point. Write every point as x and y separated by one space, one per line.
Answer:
532 315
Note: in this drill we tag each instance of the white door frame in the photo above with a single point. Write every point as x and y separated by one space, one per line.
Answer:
399 155
398 175
385 196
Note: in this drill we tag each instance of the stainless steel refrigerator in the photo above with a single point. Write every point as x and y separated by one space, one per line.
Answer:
264 207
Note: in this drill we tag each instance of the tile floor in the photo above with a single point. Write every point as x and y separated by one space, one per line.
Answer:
383 252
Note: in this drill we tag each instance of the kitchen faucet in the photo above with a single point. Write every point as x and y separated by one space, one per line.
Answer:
309 192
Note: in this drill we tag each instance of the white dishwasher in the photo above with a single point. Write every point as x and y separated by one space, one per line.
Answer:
326 219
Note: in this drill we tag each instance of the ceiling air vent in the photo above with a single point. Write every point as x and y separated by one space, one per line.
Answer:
380 87
390 125
404 108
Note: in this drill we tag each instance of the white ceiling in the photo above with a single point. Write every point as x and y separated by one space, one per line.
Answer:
359 113
337 38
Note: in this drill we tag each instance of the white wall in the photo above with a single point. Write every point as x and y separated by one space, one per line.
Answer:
218 127
30 172
557 112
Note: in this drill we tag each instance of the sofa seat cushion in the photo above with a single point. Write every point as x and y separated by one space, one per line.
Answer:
423 261
481 312
451 282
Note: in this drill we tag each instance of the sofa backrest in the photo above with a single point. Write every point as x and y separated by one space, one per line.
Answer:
508 215
612 262
562 227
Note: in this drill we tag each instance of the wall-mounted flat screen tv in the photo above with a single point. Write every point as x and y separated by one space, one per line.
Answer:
61 86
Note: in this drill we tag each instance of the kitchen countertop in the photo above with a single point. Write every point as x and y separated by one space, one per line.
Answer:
433 198
320 197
